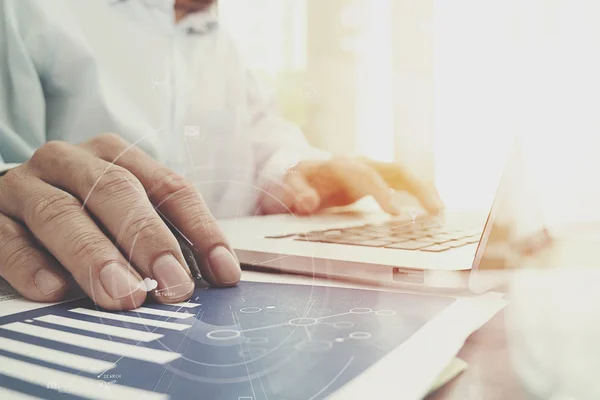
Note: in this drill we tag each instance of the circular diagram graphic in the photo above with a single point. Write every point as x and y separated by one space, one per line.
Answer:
303 322
250 310
223 334
360 310
360 335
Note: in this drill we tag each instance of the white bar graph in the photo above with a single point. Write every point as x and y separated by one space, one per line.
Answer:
106 346
7 394
70 384
56 357
163 313
186 305
134 320
110 330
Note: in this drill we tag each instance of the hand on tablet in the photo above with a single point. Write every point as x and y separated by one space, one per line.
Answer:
88 211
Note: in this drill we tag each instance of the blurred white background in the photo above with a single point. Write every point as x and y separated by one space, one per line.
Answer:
441 85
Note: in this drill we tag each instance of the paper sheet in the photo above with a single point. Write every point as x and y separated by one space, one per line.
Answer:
7 292
456 367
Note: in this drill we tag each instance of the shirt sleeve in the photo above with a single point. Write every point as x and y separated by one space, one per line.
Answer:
277 144
22 103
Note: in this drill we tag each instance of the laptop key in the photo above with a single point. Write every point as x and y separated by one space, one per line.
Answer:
443 237
377 235
356 231
373 243
320 238
394 240
424 232
361 242
303 238
332 232
281 236
408 245
333 240
413 235
355 238
456 236
399 236
402 227
429 240
436 248
453 243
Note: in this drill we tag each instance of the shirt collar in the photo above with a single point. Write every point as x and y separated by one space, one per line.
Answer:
200 22
195 23
162 4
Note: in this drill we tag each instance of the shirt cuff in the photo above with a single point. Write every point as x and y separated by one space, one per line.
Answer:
283 160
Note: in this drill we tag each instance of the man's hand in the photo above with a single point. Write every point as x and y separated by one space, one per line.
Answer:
311 186
89 211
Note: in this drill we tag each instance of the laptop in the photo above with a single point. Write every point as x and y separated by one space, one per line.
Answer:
449 251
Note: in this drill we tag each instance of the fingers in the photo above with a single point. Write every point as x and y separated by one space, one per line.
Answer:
58 221
337 182
33 272
427 196
294 195
401 178
179 201
438 199
362 181
118 201
304 199
277 199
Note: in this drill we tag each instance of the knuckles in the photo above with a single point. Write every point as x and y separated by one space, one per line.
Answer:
106 144
108 139
144 226
53 208
88 245
114 181
46 156
10 229
166 184
13 177
207 226
169 186
18 254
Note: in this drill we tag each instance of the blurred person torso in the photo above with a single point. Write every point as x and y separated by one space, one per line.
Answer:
179 90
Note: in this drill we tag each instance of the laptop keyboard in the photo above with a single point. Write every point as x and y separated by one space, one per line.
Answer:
428 234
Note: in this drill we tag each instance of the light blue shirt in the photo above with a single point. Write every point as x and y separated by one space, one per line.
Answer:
72 69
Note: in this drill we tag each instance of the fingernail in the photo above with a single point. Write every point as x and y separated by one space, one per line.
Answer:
224 266
47 282
397 206
438 206
308 202
173 280
118 281
437 201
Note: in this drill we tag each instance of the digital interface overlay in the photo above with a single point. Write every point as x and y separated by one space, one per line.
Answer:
256 341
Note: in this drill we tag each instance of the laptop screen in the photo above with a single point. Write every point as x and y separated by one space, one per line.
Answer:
515 225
